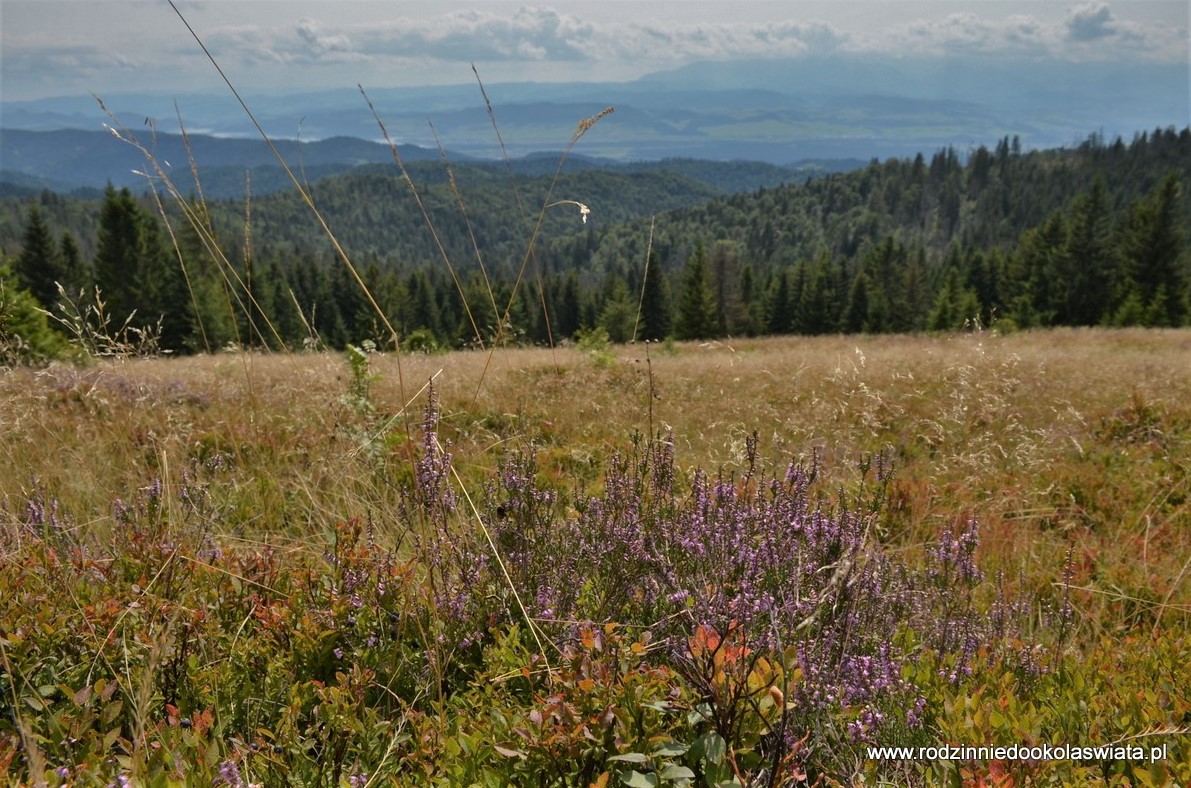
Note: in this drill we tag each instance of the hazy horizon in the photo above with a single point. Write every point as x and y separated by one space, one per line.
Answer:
65 47
776 81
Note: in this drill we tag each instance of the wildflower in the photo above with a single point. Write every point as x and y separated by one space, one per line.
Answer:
229 774
584 211
35 512
914 715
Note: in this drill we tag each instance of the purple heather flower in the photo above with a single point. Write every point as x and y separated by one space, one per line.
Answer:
914 715
34 512
229 774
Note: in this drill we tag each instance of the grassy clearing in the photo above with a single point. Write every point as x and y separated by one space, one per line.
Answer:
185 543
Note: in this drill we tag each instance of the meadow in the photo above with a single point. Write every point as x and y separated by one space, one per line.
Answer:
724 563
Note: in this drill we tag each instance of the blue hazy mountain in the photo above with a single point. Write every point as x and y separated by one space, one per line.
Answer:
777 111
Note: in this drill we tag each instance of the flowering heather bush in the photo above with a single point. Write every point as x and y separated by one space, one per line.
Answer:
763 577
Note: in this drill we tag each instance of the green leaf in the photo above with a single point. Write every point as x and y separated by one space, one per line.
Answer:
714 747
505 751
676 772
671 749
636 779
630 757
83 696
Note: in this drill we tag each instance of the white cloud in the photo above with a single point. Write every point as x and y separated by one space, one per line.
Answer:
540 34
311 34
307 42
77 66
1089 22
545 34
321 44
1082 34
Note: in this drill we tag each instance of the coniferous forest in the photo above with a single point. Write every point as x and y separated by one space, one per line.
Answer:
1089 235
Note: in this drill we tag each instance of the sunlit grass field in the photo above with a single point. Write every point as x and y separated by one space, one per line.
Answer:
182 539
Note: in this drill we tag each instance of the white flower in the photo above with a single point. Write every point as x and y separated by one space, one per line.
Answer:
583 209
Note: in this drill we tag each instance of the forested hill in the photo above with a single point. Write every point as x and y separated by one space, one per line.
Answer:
1016 235
985 200
1090 235
69 160
375 215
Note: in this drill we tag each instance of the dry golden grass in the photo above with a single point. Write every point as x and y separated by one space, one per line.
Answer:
1047 438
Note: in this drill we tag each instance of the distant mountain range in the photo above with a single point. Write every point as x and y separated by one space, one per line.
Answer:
776 111
70 160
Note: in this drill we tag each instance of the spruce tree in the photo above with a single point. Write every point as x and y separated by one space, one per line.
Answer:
1153 251
883 266
780 317
220 312
331 324
656 323
947 313
725 276
908 311
1091 251
117 257
619 311
164 293
570 308
956 306
696 317
818 309
76 273
856 316
39 267
1030 292
423 308
750 297
282 312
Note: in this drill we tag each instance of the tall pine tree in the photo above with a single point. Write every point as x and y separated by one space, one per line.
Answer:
1092 252
656 322
1152 247
697 318
118 255
39 267
780 312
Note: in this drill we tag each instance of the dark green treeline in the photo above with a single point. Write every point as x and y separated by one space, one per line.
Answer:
1094 235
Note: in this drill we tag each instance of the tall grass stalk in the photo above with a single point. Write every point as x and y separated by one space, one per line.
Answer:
303 192
582 127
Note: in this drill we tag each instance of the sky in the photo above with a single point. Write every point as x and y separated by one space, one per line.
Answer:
69 47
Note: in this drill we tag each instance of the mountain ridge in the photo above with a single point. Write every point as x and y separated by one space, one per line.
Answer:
779 110
66 160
